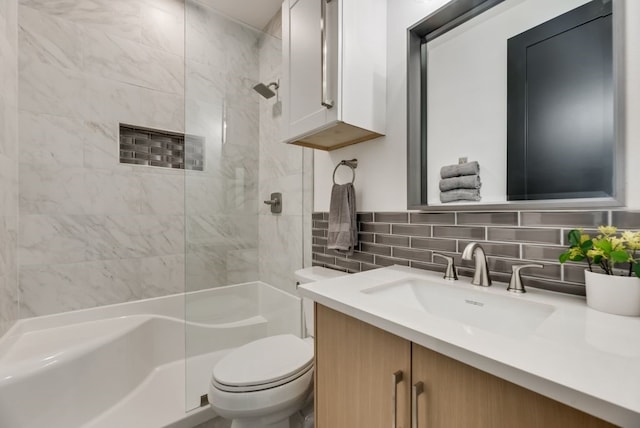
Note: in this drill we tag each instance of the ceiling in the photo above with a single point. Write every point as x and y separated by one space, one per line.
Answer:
256 13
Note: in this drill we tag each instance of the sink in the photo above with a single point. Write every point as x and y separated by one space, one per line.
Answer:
471 308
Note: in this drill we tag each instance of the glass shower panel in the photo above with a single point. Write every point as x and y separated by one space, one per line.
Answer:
238 288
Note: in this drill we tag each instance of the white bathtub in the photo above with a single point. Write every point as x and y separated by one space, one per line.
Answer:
124 365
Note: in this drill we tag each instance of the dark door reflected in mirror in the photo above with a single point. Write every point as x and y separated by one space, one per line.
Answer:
560 134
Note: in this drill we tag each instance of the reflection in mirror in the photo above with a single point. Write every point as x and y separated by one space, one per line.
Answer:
560 131
466 105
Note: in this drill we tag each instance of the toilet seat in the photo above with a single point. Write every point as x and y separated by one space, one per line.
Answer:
263 364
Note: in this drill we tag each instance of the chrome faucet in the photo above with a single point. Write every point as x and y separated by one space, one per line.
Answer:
481 275
450 271
515 284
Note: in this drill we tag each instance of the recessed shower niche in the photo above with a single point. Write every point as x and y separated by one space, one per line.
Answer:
165 149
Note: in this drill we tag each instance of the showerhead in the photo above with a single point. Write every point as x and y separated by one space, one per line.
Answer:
265 90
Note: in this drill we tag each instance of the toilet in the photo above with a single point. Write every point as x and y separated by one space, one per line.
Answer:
261 384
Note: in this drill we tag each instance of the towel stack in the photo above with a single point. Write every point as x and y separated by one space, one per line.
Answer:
460 182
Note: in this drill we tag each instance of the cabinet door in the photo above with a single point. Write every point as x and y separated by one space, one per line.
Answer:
458 395
304 110
354 368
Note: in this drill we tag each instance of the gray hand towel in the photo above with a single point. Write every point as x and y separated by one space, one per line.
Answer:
343 228
460 195
462 182
469 168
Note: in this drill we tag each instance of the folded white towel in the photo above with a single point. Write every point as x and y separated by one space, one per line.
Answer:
469 168
460 195
462 182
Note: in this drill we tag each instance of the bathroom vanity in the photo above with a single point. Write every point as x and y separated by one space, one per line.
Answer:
402 347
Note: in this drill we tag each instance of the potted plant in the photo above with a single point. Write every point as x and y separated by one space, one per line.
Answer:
613 278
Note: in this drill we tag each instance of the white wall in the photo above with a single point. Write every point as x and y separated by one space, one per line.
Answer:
381 174
632 57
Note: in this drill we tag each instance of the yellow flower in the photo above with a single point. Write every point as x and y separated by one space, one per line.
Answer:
632 239
607 230
574 252
617 243
595 252
584 238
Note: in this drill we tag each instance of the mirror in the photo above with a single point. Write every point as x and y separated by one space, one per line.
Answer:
462 104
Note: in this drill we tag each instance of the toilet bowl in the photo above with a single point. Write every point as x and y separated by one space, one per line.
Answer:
263 383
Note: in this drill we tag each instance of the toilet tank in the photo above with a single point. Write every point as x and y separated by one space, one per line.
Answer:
313 274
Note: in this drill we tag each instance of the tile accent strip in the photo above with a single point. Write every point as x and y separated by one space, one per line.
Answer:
509 238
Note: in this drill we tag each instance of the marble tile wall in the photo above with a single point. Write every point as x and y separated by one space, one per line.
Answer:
92 231
283 168
95 232
222 66
508 238
9 310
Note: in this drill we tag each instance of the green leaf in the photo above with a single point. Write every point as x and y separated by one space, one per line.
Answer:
636 269
604 245
619 256
578 258
574 237
597 259
564 257
586 245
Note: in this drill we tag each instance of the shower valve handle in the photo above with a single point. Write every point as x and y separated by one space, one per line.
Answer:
275 202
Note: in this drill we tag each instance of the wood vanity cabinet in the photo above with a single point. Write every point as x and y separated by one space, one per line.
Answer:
354 385
458 395
354 368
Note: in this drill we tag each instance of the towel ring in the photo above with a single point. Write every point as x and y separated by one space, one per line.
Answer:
353 164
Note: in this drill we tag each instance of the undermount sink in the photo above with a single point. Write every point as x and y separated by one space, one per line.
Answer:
485 310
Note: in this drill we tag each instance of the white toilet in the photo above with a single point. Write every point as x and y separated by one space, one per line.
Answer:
263 383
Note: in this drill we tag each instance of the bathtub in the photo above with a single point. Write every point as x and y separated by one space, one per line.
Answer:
125 365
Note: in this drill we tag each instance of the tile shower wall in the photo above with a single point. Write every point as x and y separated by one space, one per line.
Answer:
283 168
509 238
8 163
222 66
93 231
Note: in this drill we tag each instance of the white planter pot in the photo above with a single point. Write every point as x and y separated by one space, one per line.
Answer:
619 295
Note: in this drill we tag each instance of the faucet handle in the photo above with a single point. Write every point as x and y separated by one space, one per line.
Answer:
450 271
515 284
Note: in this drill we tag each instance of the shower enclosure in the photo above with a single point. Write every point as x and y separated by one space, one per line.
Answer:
136 158
232 119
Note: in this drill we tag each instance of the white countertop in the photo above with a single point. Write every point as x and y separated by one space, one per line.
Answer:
581 357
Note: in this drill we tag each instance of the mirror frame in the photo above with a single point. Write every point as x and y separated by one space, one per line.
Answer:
448 17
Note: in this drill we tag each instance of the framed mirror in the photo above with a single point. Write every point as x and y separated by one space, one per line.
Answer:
531 90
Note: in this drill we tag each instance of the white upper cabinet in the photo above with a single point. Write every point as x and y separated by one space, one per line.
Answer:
334 72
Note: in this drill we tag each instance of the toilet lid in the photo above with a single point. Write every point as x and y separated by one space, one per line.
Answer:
264 363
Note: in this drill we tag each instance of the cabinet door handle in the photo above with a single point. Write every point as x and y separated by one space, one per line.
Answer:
416 390
396 378
328 103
